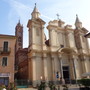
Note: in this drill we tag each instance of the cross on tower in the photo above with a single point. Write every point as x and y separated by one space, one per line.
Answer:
58 16
35 4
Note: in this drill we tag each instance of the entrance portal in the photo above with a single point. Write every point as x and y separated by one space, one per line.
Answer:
66 74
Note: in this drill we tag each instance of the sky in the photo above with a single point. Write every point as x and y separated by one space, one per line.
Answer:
11 11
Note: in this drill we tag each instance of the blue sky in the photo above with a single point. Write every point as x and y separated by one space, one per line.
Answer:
13 10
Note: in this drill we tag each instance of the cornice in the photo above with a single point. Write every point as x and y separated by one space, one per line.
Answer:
7 37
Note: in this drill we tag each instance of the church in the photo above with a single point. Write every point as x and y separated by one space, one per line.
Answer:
64 55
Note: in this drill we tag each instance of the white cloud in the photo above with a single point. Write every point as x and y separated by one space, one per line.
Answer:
66 9
46 17
20 11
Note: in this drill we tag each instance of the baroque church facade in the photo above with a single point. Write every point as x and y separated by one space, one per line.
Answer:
64 55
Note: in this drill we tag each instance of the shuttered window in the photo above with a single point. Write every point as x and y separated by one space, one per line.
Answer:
4 61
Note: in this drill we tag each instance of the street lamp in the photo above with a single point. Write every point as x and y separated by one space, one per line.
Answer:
41 78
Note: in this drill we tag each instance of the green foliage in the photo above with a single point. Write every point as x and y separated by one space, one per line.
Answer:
85 82
51 86
42 86
11 86
2 86
65 87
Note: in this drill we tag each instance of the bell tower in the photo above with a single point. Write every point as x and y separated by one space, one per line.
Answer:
36 30
81 41
19 36
36 46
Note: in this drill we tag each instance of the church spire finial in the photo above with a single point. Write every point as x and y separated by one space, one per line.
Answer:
78 24
35 4
35 13
18 22
77 19
58 16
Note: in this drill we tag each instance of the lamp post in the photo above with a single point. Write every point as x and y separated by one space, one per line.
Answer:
41 79
42 86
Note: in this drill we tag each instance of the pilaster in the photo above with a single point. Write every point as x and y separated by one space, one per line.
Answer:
34 72
45 66
61 65
77 67
87 64
53 69
72 69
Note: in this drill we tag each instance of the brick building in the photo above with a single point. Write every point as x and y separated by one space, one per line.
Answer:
21 54
22 63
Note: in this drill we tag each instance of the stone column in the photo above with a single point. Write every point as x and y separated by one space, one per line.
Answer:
50 37
43 39
53 68
71 69
61 65
45 66
76 66
32 30
87 65
83 66
34 71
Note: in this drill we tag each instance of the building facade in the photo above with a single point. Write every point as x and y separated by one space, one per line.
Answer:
7 58
66 53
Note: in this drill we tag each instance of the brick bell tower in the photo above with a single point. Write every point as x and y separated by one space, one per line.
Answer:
19 36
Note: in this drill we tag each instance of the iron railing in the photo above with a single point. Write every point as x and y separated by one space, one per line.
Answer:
5 50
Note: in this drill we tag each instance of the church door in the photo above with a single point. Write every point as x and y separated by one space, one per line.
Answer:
66 74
